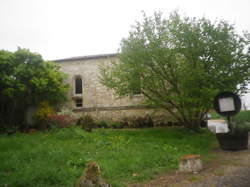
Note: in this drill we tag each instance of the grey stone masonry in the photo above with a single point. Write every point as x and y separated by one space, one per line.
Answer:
97 100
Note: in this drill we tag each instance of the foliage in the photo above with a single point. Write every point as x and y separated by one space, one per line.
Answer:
86 122
42 114
58 158
241 122
138 122
180 64
26 80
102 124
115 125
242 116
128 122
215 115
61 120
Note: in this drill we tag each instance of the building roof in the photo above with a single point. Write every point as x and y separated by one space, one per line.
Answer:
86 57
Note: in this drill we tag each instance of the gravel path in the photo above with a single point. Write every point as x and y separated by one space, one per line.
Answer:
240 177
227 169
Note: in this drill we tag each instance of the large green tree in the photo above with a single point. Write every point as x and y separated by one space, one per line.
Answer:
26 80
180 64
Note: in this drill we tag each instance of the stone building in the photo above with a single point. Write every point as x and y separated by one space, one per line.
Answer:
88 96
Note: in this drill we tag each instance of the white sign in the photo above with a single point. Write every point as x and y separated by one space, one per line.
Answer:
217 126
226 104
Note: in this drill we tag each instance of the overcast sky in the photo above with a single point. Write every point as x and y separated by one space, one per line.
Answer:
65 28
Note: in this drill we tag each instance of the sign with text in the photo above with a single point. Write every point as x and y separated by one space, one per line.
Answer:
227 104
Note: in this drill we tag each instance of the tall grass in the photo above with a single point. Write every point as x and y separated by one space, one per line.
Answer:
58 158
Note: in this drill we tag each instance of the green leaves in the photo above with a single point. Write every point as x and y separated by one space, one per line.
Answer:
180 64
26 79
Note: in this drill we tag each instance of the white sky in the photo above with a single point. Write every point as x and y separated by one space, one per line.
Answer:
65 28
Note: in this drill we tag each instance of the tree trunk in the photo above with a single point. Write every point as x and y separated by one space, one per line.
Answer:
193 125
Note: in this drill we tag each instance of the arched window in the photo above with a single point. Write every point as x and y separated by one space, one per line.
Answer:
78 85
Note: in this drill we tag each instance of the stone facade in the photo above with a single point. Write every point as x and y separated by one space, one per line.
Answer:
97 100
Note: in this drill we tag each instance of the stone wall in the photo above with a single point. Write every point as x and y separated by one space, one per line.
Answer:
99 101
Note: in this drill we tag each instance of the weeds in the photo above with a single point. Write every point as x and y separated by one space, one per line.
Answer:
58 158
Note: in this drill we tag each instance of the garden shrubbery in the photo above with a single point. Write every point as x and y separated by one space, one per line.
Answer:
41 116
138 122
86 122
27 82
242 117
61 120
241 121
46 118
102 124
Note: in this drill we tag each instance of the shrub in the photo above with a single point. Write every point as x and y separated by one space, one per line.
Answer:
102 124
241 122
61 120
41 116
86 122
243 116
115 125
138 122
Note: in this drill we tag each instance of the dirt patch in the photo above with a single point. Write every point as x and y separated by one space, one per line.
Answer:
223 169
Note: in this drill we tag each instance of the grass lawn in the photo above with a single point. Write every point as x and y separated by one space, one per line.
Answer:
58 158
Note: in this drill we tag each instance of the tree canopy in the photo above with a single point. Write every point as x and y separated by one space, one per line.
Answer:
180 64
26 80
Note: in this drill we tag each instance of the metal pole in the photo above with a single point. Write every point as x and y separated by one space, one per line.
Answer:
229 123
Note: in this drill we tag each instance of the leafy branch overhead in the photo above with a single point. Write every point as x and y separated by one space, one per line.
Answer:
180 64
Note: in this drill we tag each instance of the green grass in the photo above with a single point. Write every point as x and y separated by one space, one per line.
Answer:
242 117
58 158
215 115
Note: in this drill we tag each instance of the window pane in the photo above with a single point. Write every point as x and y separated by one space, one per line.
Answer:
79 103
78 86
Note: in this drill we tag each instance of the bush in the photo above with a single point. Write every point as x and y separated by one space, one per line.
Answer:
61 121
41 116
102 124
243 116
115 125
241 122
86 122
138 122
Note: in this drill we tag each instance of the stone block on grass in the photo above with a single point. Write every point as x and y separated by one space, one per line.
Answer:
91 177
190 163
